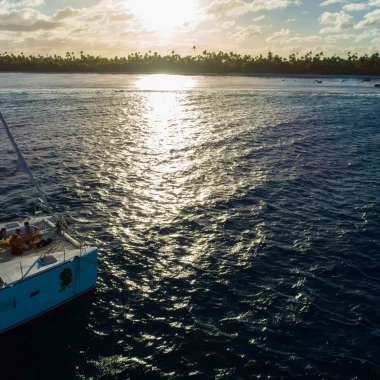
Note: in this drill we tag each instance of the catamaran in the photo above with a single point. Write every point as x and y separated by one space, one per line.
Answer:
42 267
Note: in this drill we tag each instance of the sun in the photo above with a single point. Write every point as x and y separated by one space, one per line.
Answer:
164 15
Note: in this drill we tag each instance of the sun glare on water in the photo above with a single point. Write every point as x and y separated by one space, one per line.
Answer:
164 15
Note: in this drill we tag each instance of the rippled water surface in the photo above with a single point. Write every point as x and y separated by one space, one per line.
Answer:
237 218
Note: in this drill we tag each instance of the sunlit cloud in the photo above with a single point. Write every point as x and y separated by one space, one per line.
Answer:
82 29
336 37
352 7
164 15
26 20
226 8
95 18
341 21
65 13
248 32
306 39
262 17
137 33
355 7
208 32
279 36
24 3
367 34
258 5
221 8
329 2
120 27
120 17
369 20
228 24
30 3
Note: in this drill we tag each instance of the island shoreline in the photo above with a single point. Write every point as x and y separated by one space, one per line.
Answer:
205 74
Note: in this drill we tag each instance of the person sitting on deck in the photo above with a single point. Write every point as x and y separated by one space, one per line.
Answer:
3 238
29 230
3 234
17 247
34 232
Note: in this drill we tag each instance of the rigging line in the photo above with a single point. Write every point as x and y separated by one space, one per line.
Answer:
23 166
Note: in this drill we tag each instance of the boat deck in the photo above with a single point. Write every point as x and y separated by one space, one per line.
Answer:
58 244
14 268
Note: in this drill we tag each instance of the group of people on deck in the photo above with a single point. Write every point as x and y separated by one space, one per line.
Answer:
22 239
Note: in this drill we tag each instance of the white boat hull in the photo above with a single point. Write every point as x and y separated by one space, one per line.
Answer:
40 293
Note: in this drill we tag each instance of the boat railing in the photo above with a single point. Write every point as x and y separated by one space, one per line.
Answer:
60 224
13 272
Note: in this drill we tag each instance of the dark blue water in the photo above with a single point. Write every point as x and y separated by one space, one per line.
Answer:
238 222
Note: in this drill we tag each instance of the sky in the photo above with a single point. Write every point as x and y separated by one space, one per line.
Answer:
120 27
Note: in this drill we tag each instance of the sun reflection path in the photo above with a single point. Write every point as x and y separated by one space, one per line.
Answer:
166 135
165 82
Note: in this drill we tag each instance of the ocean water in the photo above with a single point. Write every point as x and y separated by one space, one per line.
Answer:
237 218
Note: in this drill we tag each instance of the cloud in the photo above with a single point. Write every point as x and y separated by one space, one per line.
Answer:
221 8
79 30
279 36
94 18
225 8
207 32
37 25
334 38
136 33
6 5
370 19
30 3
249 31
258 5
355 7
106 27
329 2
21 4
228 24
262 17
26 20
120 17
308 39
371 33
361 6
341 21
67 12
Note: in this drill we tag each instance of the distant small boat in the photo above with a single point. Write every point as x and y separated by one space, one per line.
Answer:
377 85
42 267
317 81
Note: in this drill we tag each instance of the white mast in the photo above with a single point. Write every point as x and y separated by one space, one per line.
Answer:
23 166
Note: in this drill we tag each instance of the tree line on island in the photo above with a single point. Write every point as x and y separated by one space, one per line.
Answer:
207 62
